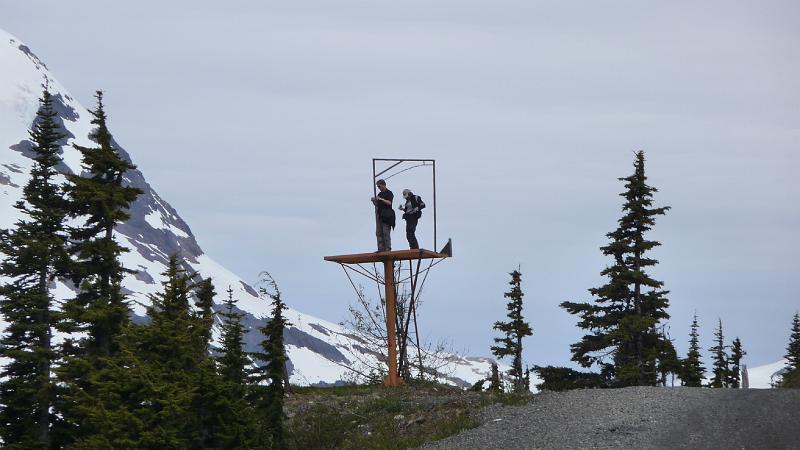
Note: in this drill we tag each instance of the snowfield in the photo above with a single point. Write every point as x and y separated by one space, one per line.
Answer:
761 377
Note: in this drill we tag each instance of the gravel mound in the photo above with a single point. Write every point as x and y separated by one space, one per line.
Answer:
641 418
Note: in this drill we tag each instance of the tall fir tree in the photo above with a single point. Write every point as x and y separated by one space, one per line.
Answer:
719 356
627 310
268 379
791 377
232 359
693 371
514 330
204 304
35 253
793 349
223 416
99 312
232 362
101 200
735 373
208 384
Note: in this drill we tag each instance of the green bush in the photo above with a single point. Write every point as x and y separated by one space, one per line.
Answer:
791 380
564 379
359 417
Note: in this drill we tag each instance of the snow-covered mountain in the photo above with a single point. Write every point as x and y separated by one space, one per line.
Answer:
761 377
319 351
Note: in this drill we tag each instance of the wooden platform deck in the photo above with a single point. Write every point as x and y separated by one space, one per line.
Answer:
394 255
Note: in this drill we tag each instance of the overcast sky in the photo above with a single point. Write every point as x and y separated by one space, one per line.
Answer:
257 121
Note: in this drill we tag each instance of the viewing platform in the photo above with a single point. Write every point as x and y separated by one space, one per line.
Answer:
394 255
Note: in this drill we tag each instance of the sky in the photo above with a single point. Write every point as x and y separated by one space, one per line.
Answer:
258 122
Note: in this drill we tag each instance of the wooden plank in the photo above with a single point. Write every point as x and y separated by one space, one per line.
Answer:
393 379
394 255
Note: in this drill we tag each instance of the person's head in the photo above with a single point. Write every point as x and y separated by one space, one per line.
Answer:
407 193
381 185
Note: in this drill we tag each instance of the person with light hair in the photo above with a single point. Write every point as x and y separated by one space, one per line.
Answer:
412 211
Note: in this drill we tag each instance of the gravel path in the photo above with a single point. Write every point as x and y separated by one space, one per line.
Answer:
640 418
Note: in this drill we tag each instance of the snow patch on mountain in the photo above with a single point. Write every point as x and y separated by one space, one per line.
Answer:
155 220
761 377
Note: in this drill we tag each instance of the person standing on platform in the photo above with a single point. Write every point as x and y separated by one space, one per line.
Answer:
412 211
384 216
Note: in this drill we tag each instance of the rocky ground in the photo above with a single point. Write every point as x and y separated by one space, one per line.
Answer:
640 418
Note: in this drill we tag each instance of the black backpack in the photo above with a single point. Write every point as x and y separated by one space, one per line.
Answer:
420 203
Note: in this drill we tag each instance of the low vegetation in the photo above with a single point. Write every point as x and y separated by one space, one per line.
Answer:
378 417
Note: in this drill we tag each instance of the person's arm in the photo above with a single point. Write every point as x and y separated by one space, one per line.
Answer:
381 199
384 200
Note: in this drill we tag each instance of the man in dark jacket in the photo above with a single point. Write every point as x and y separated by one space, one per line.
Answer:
384 216
412 211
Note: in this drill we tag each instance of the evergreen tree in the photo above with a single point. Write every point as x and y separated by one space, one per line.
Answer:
527 379
211 404
793 349
126 403
232 359
627 310
35 253
101 200
719 356
495 385
232 363
737 353
268 379
692 372
204 295
99 312
792 376
160 357
515 329
667 360
224 417
161 389
565 379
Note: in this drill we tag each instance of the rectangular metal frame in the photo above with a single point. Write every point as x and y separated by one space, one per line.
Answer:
397 162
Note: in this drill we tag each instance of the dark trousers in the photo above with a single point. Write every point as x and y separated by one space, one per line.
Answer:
411 228
384 233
